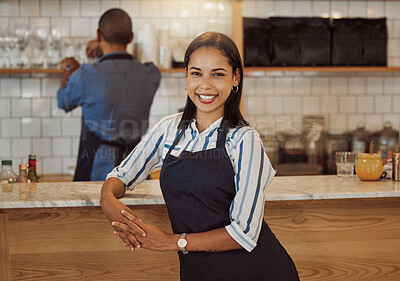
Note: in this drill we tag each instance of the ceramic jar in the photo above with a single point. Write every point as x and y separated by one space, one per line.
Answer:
369 166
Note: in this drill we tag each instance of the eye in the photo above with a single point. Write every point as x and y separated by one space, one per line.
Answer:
217 74
195 73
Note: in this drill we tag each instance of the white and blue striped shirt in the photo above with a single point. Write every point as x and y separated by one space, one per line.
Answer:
252 168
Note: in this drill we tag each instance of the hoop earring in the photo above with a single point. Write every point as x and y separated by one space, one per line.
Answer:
185 87
235 89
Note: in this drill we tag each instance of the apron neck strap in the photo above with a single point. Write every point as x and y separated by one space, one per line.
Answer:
222 131
120 56
175 141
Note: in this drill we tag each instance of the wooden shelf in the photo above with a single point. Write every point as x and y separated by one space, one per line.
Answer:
248 70
322 69
30 71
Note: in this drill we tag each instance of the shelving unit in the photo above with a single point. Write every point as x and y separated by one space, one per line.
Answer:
250 71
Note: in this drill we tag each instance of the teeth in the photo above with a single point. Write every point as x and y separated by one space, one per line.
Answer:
206 97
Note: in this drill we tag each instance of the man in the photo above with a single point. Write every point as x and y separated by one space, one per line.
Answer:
115 94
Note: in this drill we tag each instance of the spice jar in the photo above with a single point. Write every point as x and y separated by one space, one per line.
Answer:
369 166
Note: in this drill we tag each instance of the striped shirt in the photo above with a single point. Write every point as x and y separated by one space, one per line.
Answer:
252 168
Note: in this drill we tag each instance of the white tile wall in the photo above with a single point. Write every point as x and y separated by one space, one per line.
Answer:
31 127
29 8
31 88
70 7
42 146
30 120
5 147
10 127
21 147
50 8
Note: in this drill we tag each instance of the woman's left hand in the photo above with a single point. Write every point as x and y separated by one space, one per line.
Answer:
155 239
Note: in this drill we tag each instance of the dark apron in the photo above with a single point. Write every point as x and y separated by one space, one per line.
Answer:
198 188
90 142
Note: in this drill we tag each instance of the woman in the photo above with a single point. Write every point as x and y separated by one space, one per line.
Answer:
213 175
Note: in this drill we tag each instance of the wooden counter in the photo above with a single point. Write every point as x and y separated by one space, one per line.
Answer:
335 229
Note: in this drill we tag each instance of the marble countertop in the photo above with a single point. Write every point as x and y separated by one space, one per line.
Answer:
86 194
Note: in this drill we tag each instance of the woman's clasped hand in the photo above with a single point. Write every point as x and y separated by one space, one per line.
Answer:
142 235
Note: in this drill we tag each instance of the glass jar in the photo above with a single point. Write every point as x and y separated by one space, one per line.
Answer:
369 166
359 139
334 141
387 141
7 176
7 173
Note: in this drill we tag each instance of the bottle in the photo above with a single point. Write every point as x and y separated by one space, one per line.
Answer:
396 167
23 174
32 177
7 175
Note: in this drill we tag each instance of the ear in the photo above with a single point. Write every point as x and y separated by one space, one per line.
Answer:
131 38
236 77
99 38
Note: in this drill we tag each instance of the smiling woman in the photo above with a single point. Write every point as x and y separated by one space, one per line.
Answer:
210 81
214 172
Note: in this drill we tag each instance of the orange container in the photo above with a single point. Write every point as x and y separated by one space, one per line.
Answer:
369 166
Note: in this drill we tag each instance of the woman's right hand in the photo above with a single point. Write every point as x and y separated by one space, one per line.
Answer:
112 209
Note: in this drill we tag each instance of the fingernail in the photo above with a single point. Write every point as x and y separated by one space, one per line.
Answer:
138 246
122 211
140 220
144 234
125 244
115 232
113 223
132 249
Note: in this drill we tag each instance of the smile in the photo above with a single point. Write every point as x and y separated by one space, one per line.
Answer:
206 98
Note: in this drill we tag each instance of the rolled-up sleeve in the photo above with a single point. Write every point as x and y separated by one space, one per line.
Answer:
253 173
70 95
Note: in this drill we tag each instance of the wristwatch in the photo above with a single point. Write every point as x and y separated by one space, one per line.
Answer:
69 66
182 243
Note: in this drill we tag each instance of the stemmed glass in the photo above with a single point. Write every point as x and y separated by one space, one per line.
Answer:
23 36
54 46
7 44
40 38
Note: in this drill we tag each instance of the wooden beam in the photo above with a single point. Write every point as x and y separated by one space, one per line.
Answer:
4 249
237 33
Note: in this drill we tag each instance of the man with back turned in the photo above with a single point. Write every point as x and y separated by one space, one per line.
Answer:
115 94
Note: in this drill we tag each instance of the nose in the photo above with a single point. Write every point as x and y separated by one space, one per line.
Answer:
206 82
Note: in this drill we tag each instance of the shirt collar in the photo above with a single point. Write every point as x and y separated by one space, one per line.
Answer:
110 54
214 125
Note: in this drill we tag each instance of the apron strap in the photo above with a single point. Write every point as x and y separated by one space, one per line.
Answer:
116 57
175 141
222 131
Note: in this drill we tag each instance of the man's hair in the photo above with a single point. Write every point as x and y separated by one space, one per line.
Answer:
115 26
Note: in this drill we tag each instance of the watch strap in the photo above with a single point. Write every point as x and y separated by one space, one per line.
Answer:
183 249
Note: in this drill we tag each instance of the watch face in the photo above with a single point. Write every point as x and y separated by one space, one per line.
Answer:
182 243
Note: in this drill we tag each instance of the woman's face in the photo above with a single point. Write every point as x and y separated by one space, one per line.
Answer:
209 80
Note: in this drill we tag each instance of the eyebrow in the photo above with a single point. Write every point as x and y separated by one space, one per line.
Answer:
212 70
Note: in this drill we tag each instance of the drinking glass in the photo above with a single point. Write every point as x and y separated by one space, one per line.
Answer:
345 161
23 36
40 39
54 47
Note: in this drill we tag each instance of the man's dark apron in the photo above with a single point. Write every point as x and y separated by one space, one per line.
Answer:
90 142
198 188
